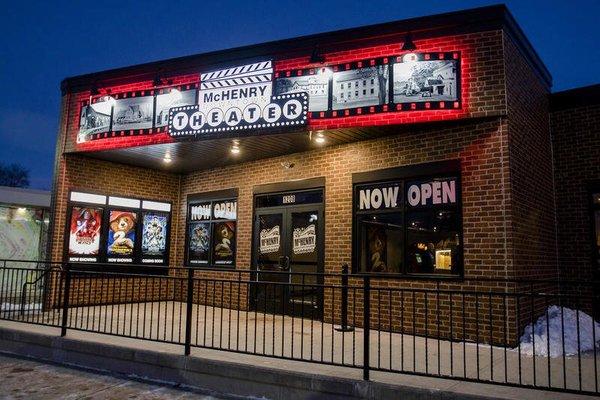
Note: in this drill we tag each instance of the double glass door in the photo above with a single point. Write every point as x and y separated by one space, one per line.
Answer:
288 257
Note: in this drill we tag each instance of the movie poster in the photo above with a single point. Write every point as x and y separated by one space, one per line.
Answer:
121 235
224 242
154 234
199 242
84 233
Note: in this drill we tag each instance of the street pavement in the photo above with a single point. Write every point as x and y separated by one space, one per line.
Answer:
25 379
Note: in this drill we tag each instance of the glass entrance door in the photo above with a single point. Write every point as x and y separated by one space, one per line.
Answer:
288 257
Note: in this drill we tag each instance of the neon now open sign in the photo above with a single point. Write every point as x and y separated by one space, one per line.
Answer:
238 99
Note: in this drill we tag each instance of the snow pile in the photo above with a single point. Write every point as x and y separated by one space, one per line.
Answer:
557 317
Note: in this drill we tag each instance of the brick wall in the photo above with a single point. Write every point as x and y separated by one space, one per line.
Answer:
576 141
532 223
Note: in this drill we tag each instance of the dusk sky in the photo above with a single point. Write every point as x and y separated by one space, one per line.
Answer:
44 42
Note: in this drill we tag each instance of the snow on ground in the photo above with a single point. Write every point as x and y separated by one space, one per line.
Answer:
552 322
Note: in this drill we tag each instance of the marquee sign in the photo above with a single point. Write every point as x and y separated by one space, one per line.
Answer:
253 97
237 99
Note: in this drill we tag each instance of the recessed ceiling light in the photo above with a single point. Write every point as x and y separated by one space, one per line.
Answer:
235 147
320 138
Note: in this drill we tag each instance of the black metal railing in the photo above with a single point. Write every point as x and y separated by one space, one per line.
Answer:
465 329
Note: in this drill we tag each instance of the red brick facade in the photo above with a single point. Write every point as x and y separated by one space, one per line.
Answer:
500 135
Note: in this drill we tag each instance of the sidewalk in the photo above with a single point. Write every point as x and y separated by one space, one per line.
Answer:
304 339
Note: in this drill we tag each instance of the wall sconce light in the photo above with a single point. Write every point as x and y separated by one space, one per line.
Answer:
408 44
235 147
316 57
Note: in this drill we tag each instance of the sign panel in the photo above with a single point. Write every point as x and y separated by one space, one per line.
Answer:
238 98
431 193
380 197
84 234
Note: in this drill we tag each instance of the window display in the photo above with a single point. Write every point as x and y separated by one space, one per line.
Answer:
211 233
121 236
84 234
408 226
123 230
154 237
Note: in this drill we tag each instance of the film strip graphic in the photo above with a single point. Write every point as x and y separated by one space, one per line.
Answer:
133 112
422 100
245 74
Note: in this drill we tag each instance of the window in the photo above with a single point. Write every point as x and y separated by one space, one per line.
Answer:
356 93
365 82
372 81
119 230
211 233
364 91
342 86
408 226
372 91
342 95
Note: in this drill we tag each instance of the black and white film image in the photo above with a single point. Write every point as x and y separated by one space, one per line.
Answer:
315 85
174 98
133 113
94 119
425 81
360 87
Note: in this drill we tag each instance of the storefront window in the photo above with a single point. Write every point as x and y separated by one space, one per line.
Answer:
408 226
211 233
23 232
432 242
119 230
381 242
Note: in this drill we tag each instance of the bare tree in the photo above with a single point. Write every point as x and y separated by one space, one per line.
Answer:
14 175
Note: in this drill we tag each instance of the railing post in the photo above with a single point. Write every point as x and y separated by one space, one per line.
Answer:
65 308
344 323
188 311
366 325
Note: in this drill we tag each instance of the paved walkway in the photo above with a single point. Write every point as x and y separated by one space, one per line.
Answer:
29 380
291 338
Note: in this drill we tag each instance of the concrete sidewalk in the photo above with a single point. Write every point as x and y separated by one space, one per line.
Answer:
304 339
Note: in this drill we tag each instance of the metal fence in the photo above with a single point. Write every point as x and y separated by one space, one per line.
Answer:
464 329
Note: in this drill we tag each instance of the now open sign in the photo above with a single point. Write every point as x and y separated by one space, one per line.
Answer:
432 193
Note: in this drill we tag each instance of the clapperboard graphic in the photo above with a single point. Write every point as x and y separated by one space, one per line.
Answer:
238 99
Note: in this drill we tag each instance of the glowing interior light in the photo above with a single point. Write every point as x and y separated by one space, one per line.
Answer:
167 159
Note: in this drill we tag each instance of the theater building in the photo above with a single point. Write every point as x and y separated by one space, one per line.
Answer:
418 151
